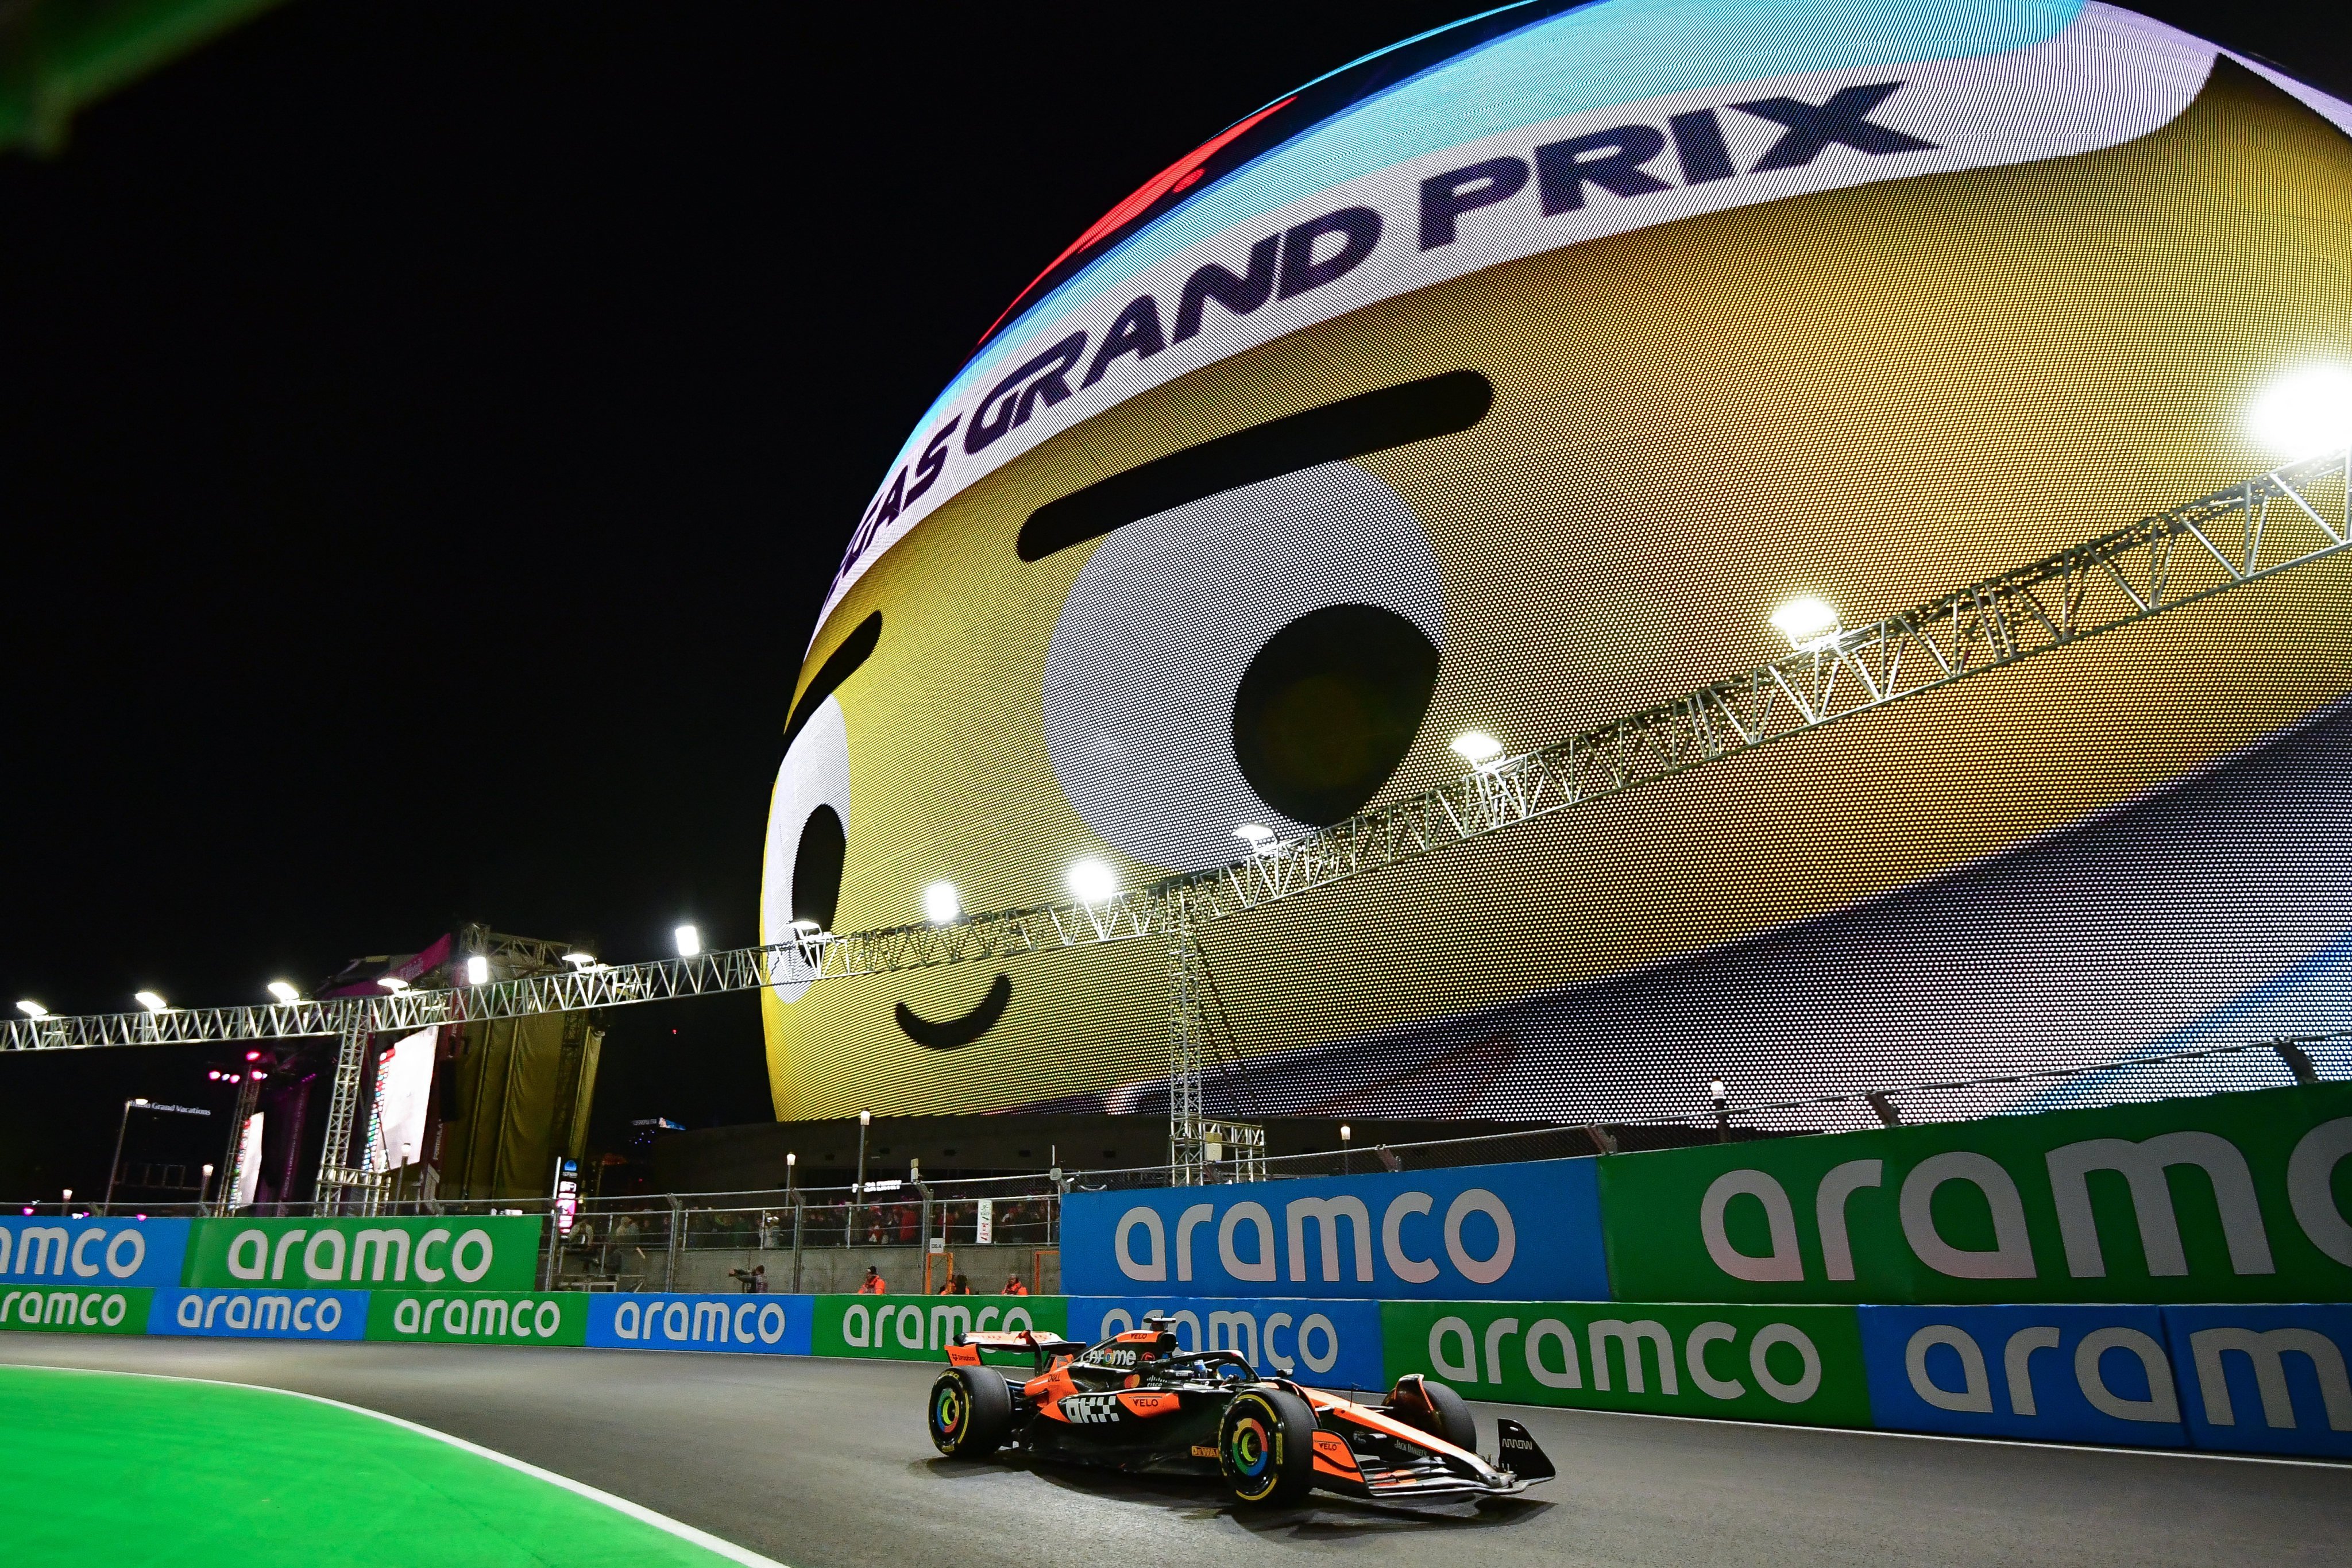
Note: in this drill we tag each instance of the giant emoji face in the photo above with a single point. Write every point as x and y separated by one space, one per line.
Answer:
1507 382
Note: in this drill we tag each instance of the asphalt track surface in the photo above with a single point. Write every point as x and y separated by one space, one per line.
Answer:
824 1464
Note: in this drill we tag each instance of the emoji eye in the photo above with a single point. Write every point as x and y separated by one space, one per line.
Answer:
1263 655
808 819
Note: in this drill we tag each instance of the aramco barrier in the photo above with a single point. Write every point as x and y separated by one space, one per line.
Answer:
2169 1274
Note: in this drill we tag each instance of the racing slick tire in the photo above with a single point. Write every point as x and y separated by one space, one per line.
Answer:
1447 1418
1265 1448
970 1413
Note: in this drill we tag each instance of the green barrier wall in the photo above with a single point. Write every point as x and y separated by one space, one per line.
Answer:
920 1328
455 1253
2237 1198
66 1311
520 1318
1759 1363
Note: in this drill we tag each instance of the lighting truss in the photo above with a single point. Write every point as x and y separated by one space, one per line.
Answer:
2289 517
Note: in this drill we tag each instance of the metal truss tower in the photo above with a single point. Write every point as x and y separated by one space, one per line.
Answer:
2290 517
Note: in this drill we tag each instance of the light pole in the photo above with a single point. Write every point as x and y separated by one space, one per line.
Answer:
121 1128
204 1189
1345 1150
858 1193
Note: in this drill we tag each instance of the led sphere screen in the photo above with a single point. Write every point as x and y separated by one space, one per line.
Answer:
1511 381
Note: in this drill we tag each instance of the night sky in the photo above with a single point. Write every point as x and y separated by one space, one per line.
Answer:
426 434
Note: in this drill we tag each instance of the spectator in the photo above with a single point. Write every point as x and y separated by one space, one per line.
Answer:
758 1284
956 1285
1012 1286
875 1284
908 1223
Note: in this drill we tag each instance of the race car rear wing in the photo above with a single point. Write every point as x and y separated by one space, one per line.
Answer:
966 1348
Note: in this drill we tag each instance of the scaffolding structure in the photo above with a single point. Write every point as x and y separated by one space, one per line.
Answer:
2289 517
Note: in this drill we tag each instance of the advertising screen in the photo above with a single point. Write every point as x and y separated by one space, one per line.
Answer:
1507 383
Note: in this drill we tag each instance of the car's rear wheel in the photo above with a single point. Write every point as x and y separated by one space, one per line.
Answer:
971 1412
1265 1448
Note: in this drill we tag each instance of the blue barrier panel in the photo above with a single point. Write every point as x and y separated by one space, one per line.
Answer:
2063 1374
1325 1344
260 1314
2268 1380
760 1325
1529 1231
117 1251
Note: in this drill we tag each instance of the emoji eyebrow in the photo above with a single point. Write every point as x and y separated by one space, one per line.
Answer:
839 665
1369 422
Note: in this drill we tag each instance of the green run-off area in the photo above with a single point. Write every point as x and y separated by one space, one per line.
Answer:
110 1467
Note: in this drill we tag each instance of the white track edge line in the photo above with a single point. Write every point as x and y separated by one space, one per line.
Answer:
2052 1446
635 1510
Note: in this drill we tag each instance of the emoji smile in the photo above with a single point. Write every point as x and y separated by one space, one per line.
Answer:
950 1033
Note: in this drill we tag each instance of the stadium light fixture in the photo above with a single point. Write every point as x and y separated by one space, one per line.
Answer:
284 992
253 1056
579 959
391 982
1806 621
32 1009
689 941
2303 412
1476 747
477 969
148 1000
1258 838
1092 881
941 904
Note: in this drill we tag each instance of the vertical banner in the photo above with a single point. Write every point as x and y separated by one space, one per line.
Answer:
2057 1374
984 1221
1770 1363
248 1163
404 1086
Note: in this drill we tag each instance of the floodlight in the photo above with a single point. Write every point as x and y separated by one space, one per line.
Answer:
1259 838
1476 747
32 1009
148 1000
578 959
477 969
865 1117
808 927
1805 620
689 941
940 905
253 1056
1092 881
1715 1092
2303 413
284 992
391 982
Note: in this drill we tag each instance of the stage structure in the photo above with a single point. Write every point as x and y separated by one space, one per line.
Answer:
2295 517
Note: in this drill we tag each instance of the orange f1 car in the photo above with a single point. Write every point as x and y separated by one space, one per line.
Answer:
1135 1403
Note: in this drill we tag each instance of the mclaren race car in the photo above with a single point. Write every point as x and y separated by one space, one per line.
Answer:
1135 1403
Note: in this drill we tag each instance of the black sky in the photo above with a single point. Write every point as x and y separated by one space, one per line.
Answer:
426 431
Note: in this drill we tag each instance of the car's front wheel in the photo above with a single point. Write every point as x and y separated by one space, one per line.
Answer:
971 1412
1265 1448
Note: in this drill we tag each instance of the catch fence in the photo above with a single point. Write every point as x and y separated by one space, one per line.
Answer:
916 1233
